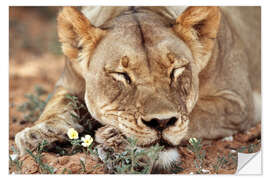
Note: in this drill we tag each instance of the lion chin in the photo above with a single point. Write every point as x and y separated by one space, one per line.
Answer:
167 158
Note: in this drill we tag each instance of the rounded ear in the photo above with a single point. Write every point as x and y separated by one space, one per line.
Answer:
76 33
198 27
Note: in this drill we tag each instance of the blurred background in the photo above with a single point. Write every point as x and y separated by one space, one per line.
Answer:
35 63
33 29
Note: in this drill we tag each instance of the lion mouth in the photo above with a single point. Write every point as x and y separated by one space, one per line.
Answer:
165 143
161 142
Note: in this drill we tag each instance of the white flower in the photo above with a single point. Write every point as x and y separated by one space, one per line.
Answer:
192 140
86 140
72 133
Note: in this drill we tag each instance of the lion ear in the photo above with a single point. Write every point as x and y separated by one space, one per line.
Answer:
76 33
198 27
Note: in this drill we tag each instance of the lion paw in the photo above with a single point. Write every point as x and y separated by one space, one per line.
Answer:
29 138
111 138
111 141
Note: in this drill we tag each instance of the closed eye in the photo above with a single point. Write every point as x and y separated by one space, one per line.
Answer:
121 76
176 73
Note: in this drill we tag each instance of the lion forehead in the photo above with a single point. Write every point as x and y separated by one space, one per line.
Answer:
146 42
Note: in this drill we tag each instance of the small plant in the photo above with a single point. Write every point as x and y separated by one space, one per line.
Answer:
224 160
83 166
250 148
80 112
14 161
78 144
133 160
84 144
44 168
66 170
77 106
196 147
34 106
220 162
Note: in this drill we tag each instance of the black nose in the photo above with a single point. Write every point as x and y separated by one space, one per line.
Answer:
160 124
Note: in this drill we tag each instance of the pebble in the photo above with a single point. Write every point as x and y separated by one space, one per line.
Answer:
229 138
205 171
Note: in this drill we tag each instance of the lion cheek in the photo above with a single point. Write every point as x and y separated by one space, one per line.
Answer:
94 108
192 97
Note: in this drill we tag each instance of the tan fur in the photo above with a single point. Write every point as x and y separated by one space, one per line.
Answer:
198 27
75 31
144 76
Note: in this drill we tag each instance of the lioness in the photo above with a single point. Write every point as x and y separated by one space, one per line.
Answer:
156 74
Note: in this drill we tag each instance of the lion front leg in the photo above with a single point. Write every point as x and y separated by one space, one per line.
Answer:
221 115
52 125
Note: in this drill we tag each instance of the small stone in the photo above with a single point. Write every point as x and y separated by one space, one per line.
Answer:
229 138
205 171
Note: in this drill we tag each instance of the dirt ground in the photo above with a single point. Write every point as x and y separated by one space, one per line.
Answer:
35 59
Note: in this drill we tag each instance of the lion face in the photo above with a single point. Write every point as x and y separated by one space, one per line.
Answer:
141 70
143 83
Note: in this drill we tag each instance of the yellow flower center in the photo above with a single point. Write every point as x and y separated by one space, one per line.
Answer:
73 134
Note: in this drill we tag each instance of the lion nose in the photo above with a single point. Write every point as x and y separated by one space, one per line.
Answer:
160 124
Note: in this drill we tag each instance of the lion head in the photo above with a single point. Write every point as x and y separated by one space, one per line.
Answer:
141 69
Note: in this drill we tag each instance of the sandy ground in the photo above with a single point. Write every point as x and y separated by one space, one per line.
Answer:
30 67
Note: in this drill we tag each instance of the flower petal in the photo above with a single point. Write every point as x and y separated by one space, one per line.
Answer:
87 136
